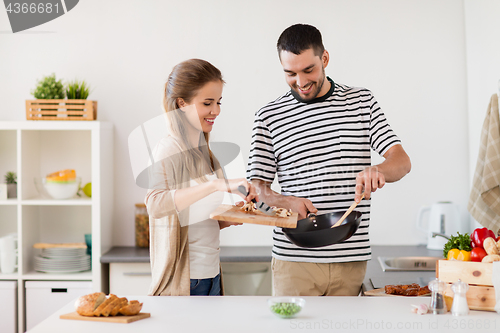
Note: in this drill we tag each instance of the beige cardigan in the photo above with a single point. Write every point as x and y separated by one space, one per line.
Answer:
168 241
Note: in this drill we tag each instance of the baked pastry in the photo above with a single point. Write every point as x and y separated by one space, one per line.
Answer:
131 309
97 304
86 305
490 246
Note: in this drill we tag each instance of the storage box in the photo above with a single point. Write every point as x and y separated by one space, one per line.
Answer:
61 109
8 306
481 294
43 298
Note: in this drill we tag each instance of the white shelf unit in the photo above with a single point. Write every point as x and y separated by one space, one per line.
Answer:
34 149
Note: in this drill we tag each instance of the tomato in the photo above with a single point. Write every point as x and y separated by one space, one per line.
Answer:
477 254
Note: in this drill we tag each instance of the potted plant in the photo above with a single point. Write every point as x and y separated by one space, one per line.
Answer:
77 90
11 181
51 105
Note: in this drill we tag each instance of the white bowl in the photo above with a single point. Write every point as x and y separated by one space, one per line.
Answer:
58 190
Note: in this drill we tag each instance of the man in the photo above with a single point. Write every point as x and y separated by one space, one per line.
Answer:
317 139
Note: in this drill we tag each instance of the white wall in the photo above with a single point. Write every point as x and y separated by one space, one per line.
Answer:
411 54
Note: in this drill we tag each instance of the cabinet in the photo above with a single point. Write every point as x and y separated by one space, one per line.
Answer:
240 278
34 149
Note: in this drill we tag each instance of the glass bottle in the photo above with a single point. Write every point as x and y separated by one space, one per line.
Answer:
438 305
460 306
141 225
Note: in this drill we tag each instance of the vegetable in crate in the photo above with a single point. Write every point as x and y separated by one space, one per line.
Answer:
460 243
477 254
479 235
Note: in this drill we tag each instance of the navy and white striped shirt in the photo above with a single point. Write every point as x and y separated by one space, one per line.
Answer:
317 149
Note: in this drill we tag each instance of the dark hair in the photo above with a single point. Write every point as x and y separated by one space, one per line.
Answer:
300 37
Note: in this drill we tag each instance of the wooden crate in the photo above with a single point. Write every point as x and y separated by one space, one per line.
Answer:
481 294
61 109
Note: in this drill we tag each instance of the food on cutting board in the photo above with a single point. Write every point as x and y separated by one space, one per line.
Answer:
97 304
458 247
281 212
413 289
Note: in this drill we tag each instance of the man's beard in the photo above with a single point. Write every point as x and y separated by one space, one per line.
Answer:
297 96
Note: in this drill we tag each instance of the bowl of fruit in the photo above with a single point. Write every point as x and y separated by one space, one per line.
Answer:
59 185
286 307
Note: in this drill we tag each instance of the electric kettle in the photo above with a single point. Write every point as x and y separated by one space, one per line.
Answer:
443 220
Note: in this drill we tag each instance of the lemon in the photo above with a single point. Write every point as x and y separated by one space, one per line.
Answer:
87 189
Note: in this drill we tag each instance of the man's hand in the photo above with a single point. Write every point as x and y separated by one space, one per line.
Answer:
369 180
300 205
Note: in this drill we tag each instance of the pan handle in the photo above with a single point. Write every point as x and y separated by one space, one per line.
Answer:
312 216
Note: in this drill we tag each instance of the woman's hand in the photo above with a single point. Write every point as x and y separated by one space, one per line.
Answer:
231 186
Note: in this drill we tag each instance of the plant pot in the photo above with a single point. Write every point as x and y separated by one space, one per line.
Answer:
11 191
61 109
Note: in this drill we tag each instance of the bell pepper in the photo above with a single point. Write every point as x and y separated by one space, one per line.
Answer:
477 254
479 235
456 254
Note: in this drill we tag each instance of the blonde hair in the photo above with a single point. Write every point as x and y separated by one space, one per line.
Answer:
185 80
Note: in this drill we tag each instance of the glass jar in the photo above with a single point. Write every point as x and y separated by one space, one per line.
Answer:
141 225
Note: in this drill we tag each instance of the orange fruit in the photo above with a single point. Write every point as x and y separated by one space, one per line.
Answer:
62 176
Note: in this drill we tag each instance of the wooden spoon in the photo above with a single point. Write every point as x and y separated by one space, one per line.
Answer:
354 204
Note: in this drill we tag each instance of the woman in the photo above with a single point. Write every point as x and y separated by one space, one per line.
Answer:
186 184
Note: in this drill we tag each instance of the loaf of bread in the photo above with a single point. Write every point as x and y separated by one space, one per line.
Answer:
97 304
86 305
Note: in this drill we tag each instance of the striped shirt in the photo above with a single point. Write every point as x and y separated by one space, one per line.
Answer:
317 149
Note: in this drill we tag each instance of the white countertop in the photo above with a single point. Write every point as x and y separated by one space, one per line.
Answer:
251 314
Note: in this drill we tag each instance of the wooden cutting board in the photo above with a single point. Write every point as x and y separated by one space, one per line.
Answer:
113 319
231 213
381 292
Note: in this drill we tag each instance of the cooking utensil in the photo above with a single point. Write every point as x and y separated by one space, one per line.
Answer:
354 204
260 205
317 231
232 213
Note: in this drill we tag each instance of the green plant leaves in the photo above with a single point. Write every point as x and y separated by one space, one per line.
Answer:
49 88
77 90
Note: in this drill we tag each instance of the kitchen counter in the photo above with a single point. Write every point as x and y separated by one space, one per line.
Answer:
132 254
252 314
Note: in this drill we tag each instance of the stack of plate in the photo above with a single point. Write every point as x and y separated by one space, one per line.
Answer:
62 260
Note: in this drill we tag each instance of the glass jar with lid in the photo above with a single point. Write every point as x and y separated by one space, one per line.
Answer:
141 225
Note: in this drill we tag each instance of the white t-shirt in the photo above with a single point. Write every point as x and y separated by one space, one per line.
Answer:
203 236
317 149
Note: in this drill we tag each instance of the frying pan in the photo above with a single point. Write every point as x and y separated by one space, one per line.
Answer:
317 231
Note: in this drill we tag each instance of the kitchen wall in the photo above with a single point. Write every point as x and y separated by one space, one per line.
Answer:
412 54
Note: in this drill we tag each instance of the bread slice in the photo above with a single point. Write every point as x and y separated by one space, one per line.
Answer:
86 305
107 310
131 309
116 309
100 308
